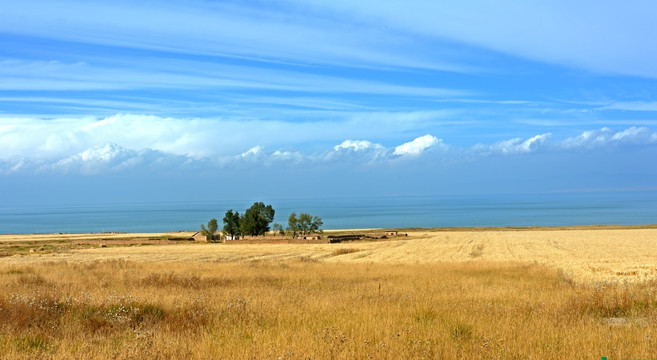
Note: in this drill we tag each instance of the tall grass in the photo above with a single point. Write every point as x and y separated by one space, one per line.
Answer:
315 310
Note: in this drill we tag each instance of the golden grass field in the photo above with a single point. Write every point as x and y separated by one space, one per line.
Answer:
484 294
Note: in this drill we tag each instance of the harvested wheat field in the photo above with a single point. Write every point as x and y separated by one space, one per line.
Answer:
590 255
494 294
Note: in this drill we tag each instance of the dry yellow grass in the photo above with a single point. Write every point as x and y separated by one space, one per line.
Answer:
432 295
310 310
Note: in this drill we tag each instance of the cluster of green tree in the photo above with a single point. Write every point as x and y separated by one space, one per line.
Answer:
303 225
256 221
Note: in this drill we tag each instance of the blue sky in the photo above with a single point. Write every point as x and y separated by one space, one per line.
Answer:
200 100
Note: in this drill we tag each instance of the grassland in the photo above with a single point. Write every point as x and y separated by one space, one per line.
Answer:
495 294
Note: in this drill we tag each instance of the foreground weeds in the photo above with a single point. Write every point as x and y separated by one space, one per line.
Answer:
314 310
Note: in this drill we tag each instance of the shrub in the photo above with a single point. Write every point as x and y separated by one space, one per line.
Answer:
344 251
461 331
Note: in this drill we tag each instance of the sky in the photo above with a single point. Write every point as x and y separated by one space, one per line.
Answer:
141 101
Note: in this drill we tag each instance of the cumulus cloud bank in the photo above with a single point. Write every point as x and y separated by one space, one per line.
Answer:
111 157
121 142
62 137
590 139
605 136
52 139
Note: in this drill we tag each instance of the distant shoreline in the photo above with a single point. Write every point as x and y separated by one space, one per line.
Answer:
535 228
184 233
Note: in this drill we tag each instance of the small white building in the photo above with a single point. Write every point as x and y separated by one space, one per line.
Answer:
309 237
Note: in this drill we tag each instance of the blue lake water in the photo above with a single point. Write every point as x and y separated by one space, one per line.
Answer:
622 208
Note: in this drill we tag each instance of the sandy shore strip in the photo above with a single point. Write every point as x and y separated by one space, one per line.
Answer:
92 236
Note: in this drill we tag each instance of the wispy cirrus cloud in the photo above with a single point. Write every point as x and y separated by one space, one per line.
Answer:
581 34
179 74
269 32
367 33
632 106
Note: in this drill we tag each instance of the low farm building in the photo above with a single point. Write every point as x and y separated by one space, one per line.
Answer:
392 233
200 237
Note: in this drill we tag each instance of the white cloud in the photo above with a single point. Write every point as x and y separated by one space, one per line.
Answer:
417 146
89 145
16 166
111 157
635 135
49 139
516 145
357 145
252 152
293 156
97 159
257 154
355 151
103 154
588 139
608 137
56 138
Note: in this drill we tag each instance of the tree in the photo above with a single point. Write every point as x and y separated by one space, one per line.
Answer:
308 224
232 223
293 224
256 219
316 224
211 230
305 224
